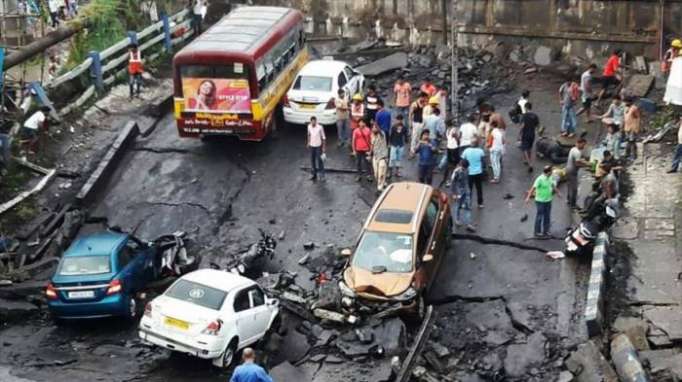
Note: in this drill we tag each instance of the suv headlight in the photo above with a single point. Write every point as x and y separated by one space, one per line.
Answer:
345 290
409 294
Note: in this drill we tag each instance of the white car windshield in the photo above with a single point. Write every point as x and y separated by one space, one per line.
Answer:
85 265
381 252
313 83
198 294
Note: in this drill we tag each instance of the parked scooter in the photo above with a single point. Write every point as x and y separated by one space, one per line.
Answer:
601 215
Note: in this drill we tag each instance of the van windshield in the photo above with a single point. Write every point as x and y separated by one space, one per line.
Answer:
381 252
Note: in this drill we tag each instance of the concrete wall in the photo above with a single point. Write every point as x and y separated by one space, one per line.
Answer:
578 28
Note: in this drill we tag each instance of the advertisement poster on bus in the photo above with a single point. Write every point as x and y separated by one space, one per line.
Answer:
216 95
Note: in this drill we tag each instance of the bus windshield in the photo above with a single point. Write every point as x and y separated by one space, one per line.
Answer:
216 88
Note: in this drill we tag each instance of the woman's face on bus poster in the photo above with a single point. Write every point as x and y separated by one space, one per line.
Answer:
217 94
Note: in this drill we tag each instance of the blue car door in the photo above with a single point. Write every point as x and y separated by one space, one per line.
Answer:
132 266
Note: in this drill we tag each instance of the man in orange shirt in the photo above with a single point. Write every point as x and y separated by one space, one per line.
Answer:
428 87
403 92
612 73
135 69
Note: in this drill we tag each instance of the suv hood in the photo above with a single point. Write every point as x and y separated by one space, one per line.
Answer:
380 284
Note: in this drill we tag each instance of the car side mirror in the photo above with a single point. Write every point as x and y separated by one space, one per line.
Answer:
346 252
428 257
271 302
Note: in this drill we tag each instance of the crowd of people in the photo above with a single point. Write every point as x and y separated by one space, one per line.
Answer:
471 154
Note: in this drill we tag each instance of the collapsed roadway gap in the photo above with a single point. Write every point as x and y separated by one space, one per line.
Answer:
492 241
518 325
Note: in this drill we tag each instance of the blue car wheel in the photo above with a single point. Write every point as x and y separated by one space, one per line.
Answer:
132 308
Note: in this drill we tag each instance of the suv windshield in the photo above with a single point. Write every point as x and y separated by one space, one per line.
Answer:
198 294
85 265
380 252
311 83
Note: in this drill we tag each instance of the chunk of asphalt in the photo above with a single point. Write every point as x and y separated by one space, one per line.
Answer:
285 371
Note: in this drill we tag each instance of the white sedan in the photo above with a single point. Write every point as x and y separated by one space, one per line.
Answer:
210 314
314 88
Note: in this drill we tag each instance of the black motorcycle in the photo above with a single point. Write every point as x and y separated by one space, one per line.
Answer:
600 216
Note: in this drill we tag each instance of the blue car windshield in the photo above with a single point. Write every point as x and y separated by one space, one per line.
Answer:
198 294
381 252
85 265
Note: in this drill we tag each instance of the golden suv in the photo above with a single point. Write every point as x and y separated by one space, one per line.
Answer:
401 246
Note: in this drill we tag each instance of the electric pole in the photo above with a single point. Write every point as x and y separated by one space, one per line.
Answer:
454 60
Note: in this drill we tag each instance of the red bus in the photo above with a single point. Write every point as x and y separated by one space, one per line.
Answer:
231 78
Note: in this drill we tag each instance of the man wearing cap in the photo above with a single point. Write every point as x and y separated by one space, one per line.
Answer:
342 120
543 191
433 103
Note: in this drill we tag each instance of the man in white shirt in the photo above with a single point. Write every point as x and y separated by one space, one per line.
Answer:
53 6
32 126
525 95
316 141
468 132
678 150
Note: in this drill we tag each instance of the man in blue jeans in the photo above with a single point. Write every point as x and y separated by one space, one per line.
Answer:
249 371
461 194
543 190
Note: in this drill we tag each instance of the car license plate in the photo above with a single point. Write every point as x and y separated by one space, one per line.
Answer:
82 294
308 106
174 322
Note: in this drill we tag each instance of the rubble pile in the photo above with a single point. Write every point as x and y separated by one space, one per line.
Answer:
496 341
361 343
480 73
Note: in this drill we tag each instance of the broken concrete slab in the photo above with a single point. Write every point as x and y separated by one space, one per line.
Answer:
639 85
392 62
520 315
654 276
296 344
635 329
589 365
661 360
668 319
391 335
16 310
287 372
520 357
544 56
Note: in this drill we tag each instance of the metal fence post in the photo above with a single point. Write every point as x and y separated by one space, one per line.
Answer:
166 33
96 70
132 36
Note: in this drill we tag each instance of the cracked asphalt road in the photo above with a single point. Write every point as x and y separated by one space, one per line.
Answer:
221 192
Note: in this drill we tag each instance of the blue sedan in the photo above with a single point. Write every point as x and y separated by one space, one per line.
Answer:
100 275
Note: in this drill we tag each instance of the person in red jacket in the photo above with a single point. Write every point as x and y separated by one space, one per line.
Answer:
135 69
612 75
